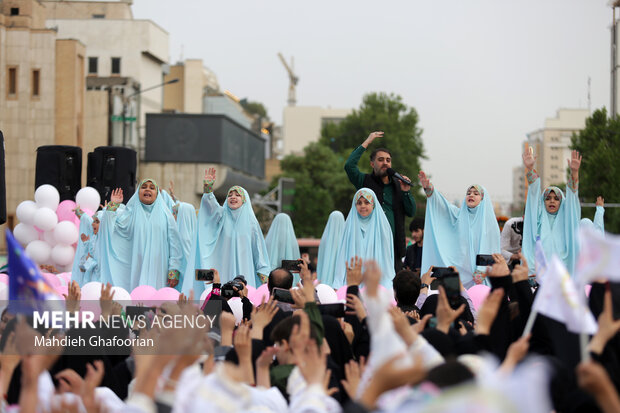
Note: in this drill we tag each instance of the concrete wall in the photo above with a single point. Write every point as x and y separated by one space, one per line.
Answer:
26 121
70 91
62 9
302 125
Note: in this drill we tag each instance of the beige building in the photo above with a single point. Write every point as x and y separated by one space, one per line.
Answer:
124 57
187 95
302 125
41 94
518 189
551 145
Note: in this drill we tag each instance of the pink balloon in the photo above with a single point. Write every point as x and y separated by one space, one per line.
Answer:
63 289
478 293
341 293
257 296
51 279
65 210
166 294
65 276
4 279
142 293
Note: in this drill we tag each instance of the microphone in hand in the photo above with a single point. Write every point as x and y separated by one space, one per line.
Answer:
391 172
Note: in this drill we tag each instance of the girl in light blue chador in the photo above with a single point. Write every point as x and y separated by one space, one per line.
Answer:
328 248
228 239
552 216
139 243
186 224
85 266
599 214
453 236
367 234
282 243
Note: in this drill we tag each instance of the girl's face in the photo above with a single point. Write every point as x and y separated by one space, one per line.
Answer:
148 193
473 197
95 225
552 203
235 200
364 208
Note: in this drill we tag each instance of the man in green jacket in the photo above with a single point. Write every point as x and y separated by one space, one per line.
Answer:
394 195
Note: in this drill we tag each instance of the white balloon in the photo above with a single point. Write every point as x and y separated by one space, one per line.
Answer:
39 251
326 294
121 296
66 233
88 198
25 211
63 254
237 308
48 236
47 196
45 219
91 291
25 233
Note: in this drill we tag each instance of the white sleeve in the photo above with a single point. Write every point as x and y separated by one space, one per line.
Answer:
430 356
140 403
312 399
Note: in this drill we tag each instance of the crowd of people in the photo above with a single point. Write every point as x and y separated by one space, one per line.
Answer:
430 349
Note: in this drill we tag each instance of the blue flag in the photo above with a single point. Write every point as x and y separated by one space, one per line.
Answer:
28 290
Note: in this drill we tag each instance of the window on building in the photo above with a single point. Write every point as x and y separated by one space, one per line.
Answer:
14 11
92 65
116 65
98 16
36 79
12 81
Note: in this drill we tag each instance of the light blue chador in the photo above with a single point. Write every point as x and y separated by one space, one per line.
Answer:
453 236
558 232
599 221
228 240
328 248
282 243
82 260
368 238
186 224
139 244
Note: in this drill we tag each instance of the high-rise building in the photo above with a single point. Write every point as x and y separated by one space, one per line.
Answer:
551 145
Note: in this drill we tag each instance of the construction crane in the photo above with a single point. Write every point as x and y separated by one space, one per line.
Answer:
293 79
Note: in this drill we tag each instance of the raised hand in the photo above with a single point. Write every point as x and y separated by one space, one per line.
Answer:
210 175
529 160
488 311
354 302
117 196
372 137
72 300
607 326
372 277
520 272
354 271
171 189
574 162
500 268
424 181
600 201
446 315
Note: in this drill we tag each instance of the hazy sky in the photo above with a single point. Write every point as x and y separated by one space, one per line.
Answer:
480 73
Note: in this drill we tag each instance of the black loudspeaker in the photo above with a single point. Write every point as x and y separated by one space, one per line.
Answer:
2 183
111 167
61 167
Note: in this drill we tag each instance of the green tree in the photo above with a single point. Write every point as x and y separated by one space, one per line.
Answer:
380 112
254 108
599 144
319 179
322 185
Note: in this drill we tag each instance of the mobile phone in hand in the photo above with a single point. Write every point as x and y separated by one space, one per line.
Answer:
452 286
484 260
282 295
204 275
335 309
291 265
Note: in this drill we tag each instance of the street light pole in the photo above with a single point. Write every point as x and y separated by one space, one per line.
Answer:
126 104
614 62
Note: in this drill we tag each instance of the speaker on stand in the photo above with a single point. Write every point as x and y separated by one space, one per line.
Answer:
61 167
111 167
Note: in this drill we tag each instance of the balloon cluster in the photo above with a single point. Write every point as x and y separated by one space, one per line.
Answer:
49 229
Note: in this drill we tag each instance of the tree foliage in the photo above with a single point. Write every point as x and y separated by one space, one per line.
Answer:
599 144
321 183
255 108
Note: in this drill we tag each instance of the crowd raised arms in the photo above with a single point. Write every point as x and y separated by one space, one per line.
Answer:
452 322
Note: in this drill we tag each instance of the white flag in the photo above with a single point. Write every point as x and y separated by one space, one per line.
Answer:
557 298
599 256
